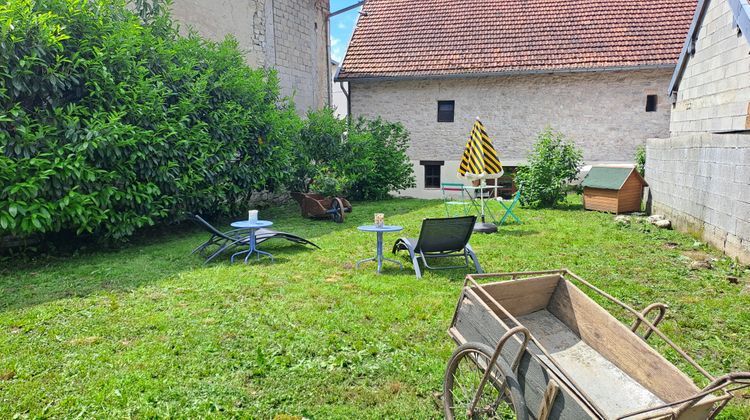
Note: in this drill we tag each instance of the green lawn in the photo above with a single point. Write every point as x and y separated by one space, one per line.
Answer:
149 331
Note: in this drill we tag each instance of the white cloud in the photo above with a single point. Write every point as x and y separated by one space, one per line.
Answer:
341 25
335 41
337 53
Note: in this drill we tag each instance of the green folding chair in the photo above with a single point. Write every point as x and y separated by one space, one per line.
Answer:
454 196
509 207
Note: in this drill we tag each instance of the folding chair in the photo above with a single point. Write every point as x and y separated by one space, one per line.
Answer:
509 207
451 193
441 238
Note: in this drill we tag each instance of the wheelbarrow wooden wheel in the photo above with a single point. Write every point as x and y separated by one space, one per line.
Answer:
337 210
501 396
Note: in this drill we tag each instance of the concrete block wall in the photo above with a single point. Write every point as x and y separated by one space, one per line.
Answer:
603 112
702 183
288 35
714 94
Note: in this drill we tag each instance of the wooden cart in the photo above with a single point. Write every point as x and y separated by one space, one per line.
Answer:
316 206
555 353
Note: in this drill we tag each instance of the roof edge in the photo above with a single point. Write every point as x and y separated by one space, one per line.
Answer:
741 11
632 171
345 78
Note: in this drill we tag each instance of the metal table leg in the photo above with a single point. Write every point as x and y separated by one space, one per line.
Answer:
252 249
379 256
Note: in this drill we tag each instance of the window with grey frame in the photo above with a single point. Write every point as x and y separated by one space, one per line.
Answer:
446 111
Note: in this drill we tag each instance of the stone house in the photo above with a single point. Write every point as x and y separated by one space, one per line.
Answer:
288 35
700 175
594 70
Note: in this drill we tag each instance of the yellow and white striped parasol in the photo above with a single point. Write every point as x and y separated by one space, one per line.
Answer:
480 159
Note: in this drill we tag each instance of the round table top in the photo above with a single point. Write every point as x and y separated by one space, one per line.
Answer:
386 228
246 224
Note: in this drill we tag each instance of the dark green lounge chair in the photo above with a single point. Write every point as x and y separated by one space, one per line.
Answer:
237 237
441 238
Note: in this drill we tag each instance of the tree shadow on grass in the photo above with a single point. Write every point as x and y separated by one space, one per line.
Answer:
34 281
161 253
517 232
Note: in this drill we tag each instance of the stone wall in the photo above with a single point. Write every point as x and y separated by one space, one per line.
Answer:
702 182
288 35
603 112
714 93
301 50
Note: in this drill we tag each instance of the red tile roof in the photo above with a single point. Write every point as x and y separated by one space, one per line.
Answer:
445 37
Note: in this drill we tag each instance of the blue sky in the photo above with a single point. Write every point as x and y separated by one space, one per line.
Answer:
342 27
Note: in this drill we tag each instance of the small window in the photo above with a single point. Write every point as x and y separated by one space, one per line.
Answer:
651 101
431 173
445 111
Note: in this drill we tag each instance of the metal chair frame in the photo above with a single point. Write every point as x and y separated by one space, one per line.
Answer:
448 201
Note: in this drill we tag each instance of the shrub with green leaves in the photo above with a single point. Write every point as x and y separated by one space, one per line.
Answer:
109 123
365 161
640 159
553 164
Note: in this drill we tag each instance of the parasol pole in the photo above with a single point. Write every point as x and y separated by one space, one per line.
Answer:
483 226
482 184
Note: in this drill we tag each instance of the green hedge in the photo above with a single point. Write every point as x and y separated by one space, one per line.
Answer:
108 124
363 161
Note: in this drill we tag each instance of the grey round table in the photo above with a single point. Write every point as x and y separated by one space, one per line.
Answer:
251 227
379 253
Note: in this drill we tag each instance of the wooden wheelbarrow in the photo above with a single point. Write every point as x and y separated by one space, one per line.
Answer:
316 206
534 346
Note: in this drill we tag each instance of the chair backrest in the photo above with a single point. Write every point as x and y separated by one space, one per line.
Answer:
452 189
516 196
446 234
451 186
208 226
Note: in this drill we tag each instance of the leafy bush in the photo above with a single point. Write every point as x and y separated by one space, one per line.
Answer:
367 161
640 159
553 164
379 163
109 123
319 149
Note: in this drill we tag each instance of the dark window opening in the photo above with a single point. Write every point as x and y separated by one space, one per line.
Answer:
431 173
506 184
651 101
446 110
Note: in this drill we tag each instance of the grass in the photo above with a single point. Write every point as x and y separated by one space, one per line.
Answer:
148 331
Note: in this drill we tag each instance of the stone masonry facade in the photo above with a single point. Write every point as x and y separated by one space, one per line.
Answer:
288 35
702 183
603 112
714 94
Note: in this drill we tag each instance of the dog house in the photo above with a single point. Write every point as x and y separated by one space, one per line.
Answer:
613 189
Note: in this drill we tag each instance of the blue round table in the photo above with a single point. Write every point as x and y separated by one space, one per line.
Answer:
251 227
379 253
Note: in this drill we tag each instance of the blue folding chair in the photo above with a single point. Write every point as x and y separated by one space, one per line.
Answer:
509 207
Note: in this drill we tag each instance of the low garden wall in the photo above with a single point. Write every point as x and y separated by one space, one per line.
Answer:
702 183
